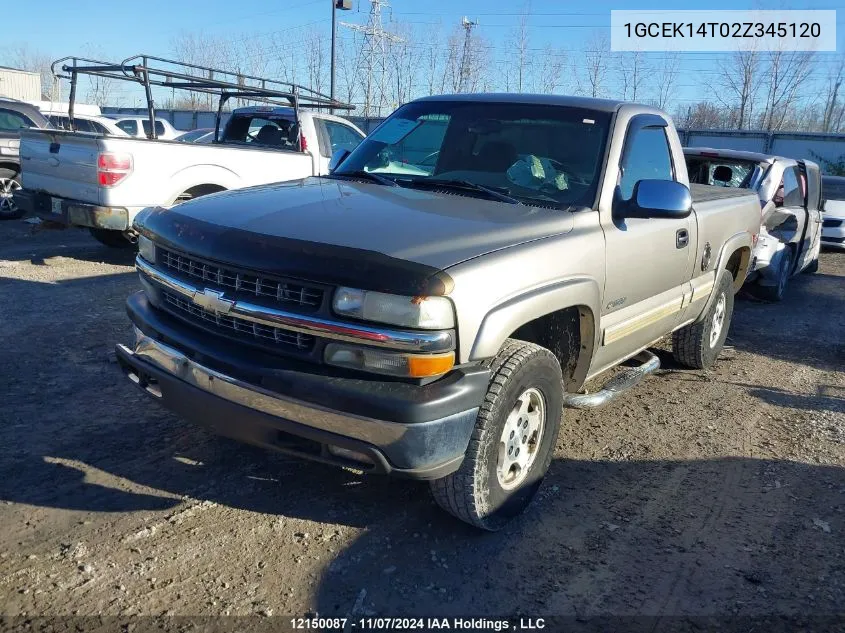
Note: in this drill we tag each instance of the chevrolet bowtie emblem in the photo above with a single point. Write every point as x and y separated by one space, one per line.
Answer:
212 301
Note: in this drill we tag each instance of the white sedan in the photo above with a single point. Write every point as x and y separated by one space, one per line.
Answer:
833 217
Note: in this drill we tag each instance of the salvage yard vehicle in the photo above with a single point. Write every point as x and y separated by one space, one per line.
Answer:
102 182
94 124
790 199
833 218
428 308
15 116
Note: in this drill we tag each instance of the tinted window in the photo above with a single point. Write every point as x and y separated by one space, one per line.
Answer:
159 127
10 120
130 127
646 157
792 193
99 128
341 136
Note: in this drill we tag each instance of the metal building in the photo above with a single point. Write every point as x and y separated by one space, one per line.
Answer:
20 84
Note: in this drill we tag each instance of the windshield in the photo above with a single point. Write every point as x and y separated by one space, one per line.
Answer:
539 154
723 172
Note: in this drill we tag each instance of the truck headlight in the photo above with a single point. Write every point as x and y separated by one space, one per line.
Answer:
147 249
390 363
430 313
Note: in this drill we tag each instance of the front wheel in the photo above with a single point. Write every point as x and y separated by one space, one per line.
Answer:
698 344
513 440
9 184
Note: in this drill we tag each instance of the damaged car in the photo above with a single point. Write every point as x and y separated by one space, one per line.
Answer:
833 218
790 203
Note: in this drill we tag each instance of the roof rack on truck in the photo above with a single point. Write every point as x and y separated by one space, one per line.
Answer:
149 71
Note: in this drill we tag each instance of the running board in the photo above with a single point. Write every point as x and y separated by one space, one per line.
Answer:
616 386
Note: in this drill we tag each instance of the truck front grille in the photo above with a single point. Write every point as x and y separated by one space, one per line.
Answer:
243 329
243 284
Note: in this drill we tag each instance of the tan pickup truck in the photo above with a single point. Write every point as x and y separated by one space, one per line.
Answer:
431 307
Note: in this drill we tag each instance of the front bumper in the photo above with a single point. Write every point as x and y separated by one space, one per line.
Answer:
418 431
72 212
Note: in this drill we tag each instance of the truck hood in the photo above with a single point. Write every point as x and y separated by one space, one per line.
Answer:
341 231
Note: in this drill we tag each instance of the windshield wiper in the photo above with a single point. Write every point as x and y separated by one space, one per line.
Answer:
463 185
366 175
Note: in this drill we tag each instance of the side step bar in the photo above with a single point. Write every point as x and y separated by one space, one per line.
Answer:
617 385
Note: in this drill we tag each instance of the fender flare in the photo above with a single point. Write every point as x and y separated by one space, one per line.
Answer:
734 243
504 319
203 174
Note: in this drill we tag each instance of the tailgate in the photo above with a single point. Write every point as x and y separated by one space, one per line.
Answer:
60 163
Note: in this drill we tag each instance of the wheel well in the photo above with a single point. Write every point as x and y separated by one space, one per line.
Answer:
11 167
566 333
738 264
198 191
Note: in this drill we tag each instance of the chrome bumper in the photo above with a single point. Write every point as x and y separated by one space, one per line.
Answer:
401 340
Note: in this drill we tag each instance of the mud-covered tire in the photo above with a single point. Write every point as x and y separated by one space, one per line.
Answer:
10 182
474 493
698 344
113 239
777 292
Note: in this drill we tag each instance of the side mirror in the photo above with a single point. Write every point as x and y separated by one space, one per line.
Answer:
658 199
337 158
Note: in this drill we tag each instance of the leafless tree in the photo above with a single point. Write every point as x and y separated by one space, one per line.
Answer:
404 66
25 58
519 45
786 73
666 79
834 108
738 85
596 64
632 71
315 60
548 74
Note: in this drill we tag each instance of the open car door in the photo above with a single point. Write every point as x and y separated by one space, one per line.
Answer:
811 240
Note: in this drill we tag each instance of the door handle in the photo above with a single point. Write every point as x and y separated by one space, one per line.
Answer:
681 238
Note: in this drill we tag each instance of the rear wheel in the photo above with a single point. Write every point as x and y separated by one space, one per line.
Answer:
513 440
115 239
9 184
776 292
698 344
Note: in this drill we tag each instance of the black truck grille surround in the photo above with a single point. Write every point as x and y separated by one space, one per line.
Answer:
241 328
290 293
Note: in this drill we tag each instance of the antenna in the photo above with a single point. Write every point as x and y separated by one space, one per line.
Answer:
374 51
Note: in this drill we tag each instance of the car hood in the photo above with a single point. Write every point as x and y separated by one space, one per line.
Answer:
349 232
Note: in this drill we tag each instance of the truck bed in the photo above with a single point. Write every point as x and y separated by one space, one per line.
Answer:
705 193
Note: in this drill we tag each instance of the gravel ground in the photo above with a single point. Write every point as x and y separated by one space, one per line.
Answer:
700 493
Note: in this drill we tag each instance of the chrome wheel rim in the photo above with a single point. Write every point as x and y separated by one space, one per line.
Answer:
718 320
8 187
521 438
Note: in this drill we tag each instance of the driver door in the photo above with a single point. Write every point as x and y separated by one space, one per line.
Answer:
648 260
812 236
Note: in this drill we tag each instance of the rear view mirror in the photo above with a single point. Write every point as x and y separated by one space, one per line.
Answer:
723 173
658 199
337 158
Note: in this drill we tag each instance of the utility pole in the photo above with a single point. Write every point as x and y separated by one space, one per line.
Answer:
467 54
374 51
343 5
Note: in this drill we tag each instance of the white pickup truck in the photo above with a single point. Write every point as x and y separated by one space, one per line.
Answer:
102 182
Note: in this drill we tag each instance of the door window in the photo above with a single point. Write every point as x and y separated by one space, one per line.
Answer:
646 157
341 136
13 121
793 196
129 126
159 128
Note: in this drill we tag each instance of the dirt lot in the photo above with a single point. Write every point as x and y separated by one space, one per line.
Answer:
712 493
